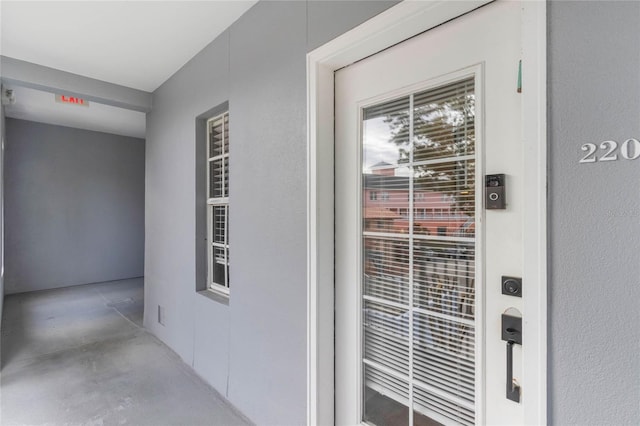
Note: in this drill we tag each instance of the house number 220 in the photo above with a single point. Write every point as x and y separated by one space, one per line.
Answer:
629 150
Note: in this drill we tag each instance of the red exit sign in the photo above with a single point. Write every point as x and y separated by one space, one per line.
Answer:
63 99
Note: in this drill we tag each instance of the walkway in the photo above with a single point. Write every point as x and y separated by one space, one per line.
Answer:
80 356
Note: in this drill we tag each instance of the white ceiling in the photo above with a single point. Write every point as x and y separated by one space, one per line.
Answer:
39 106
137 44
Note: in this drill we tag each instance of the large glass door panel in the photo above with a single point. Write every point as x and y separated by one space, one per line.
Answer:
418 263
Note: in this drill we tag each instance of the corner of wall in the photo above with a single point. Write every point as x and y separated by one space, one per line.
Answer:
2 135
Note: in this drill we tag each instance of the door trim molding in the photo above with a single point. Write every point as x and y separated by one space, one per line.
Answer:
396 24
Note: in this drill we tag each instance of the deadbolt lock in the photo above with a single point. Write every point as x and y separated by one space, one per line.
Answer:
512 286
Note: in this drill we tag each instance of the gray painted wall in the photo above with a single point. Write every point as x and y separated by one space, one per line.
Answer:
594 288
74 206
253 350
2 138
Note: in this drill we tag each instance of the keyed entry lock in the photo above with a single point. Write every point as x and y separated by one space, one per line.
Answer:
495 193
512 286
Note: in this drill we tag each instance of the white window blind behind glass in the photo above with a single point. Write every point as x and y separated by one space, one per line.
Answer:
218 203
419 258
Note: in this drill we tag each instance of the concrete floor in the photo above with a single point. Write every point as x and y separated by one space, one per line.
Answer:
79 356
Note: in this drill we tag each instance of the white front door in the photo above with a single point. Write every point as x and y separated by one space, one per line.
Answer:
419 257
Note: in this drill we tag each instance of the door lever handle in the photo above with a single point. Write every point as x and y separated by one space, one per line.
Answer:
512 334
513 390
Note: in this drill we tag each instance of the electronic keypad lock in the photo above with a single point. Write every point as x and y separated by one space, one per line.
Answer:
495 193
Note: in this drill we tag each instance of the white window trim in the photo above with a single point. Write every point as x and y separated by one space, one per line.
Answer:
211 286
396 24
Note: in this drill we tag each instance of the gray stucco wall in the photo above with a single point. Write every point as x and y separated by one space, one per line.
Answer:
594 287
74 206
253 350
2 138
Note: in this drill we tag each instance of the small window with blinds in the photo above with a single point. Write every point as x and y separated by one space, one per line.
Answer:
418 244
218 203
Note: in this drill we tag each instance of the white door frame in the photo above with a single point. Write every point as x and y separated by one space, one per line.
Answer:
384 30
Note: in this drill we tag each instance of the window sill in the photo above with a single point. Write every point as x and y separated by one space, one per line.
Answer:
216 297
